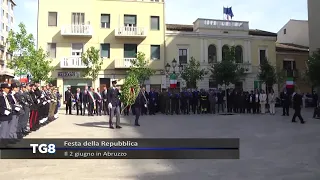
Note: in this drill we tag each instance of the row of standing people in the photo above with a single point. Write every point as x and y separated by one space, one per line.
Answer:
25 108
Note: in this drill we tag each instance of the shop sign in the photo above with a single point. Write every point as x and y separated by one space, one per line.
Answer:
68 74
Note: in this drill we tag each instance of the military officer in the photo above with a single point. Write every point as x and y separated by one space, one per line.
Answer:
167 99
34 108
19 102
28 103
58 97
13 97
5 112
195 101
153 99
184 101
203 101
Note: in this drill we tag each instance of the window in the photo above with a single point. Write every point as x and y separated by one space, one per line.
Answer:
225 50
130 51
52 18
262 55
130 20
289 67
52 48
155 24
7 28
105 20
284 31
155 52
212 54
11 19
2 38
77 49
2 12
213 83
3 25
183 56
77 18
12 7
239 54
7 15
105 50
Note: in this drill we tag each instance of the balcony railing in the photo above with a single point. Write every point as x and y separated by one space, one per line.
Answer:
6 71
247 67
76 30
290 73
130 31
72 62
123 63
221 24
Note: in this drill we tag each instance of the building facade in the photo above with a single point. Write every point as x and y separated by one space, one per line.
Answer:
294 32
68 28
206 41
291 64
7 23
314 26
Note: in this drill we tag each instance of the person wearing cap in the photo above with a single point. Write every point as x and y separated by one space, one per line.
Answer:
14 98
28 103
5 111
114 105
34 113
58 96
68 100
20 102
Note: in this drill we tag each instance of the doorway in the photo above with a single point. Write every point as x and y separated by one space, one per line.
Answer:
104 82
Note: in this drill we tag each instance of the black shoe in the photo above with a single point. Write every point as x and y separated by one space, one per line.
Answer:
303 122
111 127
283 115
293 121
136 124
118 127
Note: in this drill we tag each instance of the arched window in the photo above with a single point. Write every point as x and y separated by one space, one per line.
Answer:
212 54
239 54
225 50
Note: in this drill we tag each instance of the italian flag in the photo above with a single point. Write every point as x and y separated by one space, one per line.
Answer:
289 83
173 80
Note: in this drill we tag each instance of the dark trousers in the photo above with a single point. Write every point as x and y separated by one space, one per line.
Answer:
68 107
34 119
152 108
85 107
229 107
297 113
126 110
256 108
285 110
137 115
195 108
316 112
46 110
105 107
167 106
79 107
99 107
90 108
25 118
220 105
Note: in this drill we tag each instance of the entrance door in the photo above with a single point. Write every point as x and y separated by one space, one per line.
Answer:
104 82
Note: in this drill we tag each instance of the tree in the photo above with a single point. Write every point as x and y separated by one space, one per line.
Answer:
267 74
39 65
313 67
140 67
91 58
22 44
227 71
129 90
192 73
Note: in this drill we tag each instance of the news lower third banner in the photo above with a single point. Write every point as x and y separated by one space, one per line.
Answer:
122 149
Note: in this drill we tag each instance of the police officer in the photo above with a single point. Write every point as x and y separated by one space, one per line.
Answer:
13 97
28 103
105 100
203 101
168 101
184 101
195 101
5 112
19 102
34 108
152 102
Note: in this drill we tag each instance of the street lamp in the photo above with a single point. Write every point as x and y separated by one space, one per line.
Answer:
173 65
167 67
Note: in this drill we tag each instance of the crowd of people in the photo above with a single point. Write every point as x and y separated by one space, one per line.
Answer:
25 108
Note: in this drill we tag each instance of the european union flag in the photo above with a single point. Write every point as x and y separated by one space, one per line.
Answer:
228 11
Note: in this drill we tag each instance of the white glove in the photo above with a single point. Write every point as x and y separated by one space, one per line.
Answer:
145 105
44 103
49 101
110 106
6 112
42 96
38 100
17 108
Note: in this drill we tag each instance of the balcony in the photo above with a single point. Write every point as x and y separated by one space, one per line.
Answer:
130 32
247 67
6 71
123 63
77 30
221 24
72 62
294 73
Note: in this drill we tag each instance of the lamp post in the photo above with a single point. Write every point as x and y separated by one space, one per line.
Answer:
173 75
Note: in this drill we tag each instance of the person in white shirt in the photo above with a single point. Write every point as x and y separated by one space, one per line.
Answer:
272 102
263 101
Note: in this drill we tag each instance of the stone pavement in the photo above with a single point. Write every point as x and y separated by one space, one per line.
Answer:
272 148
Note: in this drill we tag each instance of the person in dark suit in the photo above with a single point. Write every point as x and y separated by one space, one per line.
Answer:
139 103
98 98
220 96
297 103
91 101
78 98
34 114
105 100
85 100
68 100
114 105
5 111
285 100
251 100
18 102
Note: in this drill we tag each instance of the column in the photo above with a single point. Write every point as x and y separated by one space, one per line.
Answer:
219 51
205 52
249 52
202 59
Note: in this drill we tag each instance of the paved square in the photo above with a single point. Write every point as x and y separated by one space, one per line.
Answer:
272 148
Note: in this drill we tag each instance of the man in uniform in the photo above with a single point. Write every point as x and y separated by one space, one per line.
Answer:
16 111
28 103
195 101
19 102
53 103
176 100
114 105
5 111
34 108
98 98
203 101
153 99
285 100
68 100
212 101
184 101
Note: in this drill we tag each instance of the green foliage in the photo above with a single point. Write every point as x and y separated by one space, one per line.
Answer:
140 67
313 66
22 44
227 71
192 72
39 65
268 74
130 89
91 58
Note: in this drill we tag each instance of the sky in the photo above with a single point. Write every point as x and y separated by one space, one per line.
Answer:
268 15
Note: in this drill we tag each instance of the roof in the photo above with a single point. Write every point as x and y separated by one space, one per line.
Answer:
189 28
291 47
14 3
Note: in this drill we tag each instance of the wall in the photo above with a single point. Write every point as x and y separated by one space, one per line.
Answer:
314 26
297 32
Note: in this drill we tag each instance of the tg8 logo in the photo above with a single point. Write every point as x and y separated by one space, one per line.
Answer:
43 148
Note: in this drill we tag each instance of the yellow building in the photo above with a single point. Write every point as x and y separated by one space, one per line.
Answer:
118 28
206 40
